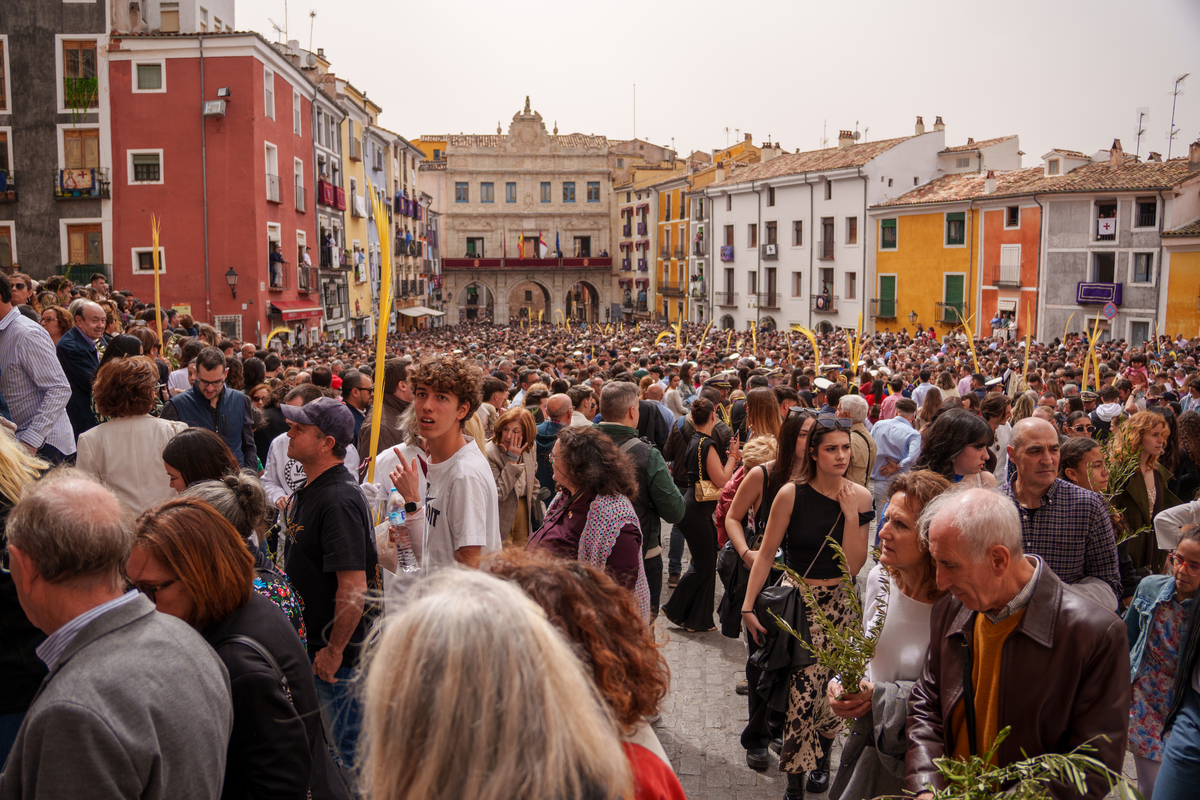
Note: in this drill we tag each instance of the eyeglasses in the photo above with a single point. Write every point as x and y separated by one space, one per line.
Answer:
18 286
213 384
4 568
151 590
1190 567
1084 428
835 422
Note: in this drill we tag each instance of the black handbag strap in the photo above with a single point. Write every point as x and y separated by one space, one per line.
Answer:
257 647
969 694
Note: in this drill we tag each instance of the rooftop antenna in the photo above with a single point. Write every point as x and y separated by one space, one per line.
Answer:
312 20
726 137
1141 116
279 32
285 21
1172 131
824 131
635 111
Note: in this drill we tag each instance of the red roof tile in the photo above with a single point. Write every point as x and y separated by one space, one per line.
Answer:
1191 229
493 140
813 161
973 146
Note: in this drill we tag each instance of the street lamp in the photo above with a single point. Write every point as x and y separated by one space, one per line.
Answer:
912 318
231 278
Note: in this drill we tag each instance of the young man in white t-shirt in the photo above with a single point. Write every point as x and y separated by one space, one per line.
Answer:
462 516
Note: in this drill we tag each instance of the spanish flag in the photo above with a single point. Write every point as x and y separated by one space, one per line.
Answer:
521 245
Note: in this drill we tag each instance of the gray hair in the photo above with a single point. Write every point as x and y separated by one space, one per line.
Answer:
238 497
855 407
74 530
616 399
983 518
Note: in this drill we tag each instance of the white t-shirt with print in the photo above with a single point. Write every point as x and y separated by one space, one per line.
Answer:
461 507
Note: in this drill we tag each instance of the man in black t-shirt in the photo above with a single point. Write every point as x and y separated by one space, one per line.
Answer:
331 560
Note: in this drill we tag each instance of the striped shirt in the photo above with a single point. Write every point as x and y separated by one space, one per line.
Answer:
50 650
34 385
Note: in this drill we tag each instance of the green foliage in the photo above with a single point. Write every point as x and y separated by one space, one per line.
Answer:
975 778
848 650
80 95
1122 464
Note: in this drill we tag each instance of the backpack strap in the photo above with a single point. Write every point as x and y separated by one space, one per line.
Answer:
258 647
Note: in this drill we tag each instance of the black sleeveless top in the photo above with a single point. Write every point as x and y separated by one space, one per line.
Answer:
815 516
696 459
764 505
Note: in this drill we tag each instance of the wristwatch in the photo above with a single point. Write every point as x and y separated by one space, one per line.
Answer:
410 508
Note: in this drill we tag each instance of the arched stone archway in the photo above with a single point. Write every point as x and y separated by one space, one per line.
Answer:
767 323
727 323
583 302
824 326
476 301
527 299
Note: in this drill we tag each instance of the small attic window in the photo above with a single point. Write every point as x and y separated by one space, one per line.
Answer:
1052 166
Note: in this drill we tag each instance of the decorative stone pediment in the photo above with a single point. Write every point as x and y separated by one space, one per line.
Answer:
527 133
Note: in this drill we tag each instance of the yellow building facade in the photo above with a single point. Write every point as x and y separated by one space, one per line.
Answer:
361 112
671 258
1182 251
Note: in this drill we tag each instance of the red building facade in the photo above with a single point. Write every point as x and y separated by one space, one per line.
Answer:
212 134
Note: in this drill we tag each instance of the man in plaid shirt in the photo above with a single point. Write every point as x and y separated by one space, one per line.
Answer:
1067 526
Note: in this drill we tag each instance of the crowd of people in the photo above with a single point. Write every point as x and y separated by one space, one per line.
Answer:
236 571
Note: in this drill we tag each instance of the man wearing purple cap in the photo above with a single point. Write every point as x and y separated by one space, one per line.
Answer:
331 560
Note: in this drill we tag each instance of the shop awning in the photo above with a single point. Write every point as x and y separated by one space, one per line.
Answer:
295 309
421 311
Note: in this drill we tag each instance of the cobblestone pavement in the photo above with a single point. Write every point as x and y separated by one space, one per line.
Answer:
702 716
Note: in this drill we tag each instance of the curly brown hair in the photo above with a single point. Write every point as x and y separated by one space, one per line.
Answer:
453 375
594 612
125 387
595 463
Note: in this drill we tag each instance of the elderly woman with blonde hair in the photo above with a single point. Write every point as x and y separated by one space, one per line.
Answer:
1143 438
510 453
471 692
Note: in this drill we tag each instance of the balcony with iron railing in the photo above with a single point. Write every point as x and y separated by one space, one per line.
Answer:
825 303
672 288
278 275
641 265
664 253
627 230
89 183
768 299
1006 276
726 299
1147 219
80 274
272 188
306 279
700 248
883 308
951 313
1097 293
8 186
825 250
680 253
626 264
325 193
641 229
299 196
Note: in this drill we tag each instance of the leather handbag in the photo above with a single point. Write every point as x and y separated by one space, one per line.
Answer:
782 594
706 490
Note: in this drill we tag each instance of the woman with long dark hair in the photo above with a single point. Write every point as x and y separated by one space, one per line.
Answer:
692 603
956 447
197 454
821 503
762 413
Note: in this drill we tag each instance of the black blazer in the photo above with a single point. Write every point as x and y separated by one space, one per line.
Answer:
277 748
79 361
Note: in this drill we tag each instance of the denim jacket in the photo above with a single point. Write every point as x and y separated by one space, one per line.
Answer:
1153 591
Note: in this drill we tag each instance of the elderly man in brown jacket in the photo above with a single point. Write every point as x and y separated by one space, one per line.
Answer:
1011 646
396 396
862 445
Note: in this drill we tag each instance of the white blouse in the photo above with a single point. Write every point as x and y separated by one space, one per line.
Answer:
904 641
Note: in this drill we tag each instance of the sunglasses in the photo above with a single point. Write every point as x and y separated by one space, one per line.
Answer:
835 422
1083 428
1190 567
18 286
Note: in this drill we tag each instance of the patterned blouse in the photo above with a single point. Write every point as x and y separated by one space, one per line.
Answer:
1153 688
271 582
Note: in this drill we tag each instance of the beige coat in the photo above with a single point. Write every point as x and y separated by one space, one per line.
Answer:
126 456
506 474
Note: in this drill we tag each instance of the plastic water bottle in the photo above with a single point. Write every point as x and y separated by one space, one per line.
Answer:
406 560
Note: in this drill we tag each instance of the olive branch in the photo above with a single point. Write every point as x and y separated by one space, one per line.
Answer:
847 650
976 778
1122 464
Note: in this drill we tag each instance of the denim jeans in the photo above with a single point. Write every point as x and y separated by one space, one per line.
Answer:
1180 770
342 714
675 551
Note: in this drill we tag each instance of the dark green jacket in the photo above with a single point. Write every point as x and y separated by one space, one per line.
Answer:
658 497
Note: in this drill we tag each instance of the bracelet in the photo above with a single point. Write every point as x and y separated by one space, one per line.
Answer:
747 612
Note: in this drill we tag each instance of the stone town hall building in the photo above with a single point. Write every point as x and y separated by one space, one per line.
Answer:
527 184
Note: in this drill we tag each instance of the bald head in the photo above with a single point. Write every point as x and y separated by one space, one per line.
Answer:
559 406
1030 428
90 319
654 392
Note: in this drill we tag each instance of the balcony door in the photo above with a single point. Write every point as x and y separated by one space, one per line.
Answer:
85 244
887 296
81 149
1104 267
952 296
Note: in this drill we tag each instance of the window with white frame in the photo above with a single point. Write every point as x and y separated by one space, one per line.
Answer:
4 74
296 114
1143 268
272 163
149 77
143 260
145 166
268 93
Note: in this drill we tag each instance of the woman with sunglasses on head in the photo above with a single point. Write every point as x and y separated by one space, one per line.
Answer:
956 447
1156 620
820 503
1078 426
745 522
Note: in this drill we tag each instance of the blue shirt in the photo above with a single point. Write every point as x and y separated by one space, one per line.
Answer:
34 385
896 440
50 650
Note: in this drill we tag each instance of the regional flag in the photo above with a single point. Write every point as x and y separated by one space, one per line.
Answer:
521 245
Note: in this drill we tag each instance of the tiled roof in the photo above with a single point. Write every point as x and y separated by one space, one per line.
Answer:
972 146
428 165
493 140
1071 153
1191 229
1093 177
813 161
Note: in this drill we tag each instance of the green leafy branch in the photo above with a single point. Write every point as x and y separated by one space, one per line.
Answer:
80 95
848 649
976 777
1122 463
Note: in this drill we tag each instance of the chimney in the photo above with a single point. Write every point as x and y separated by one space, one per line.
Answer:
1154 157
845 139
320 52
938 125
970 140
1116 156
749 139
989 183
920 126
720 172
768 153
1194 156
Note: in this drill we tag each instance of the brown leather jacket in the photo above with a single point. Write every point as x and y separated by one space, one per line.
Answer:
1066 681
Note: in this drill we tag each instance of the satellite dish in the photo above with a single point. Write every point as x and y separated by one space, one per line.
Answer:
857 136
310 60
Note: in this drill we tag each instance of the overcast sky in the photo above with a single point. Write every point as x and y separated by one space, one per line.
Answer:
1059 74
